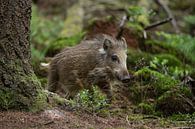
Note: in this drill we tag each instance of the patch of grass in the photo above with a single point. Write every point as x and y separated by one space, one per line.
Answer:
183 117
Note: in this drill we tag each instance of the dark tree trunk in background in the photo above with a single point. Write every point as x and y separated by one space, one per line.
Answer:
18 84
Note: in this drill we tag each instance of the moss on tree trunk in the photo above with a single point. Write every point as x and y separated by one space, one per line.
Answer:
19 86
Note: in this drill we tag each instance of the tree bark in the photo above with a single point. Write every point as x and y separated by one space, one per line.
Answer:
18 83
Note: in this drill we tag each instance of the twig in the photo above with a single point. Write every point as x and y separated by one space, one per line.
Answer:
121 26
157 23
42 124
150 117
48 123
169 13
127 119
190 103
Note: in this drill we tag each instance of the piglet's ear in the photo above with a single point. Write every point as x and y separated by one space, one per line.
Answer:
107 44
124 43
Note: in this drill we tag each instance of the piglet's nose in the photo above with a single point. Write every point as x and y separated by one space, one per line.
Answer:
125 79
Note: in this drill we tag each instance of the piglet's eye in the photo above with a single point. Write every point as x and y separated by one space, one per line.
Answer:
114 58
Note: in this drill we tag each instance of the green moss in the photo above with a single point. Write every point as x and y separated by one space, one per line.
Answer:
174 101
135 117
7 100
40 99
21 88
161 122
140 92
43 82
164 94
22 96
146 108
150 84
40 102
136 93
160 82
183 117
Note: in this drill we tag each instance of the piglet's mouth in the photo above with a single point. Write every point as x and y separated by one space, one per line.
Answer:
124 79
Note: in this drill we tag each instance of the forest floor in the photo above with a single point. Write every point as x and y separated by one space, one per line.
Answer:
69 119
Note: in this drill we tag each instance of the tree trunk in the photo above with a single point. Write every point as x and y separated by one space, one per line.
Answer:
18 84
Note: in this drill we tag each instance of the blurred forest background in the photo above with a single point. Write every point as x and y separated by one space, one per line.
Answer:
161 60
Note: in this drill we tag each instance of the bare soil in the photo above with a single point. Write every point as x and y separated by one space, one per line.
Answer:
68 119
58 119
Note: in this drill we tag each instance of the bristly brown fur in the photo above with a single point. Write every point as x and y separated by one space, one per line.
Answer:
87 64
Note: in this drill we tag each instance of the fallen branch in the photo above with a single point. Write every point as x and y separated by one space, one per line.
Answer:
169 13
188 101
157 24
153 25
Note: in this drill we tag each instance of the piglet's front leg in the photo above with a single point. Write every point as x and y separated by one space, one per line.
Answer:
102 77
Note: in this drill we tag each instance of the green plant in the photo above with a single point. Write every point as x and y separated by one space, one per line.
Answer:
138 17
161 82
40 102
160 65
183 43
92 101
190 20
169 65
146 108
63 42
43 32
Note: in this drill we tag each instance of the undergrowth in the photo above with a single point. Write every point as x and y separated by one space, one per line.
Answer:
92 101
184 43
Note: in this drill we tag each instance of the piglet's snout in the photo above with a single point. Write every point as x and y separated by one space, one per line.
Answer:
125 78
